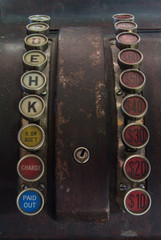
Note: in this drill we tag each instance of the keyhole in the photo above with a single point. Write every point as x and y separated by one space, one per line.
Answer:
81 155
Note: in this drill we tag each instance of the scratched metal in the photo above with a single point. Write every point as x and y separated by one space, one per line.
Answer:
81 189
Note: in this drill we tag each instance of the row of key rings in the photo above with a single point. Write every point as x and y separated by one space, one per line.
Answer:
136 168
31 136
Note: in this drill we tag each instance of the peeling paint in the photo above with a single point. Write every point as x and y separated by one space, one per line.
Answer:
129 233
62 172
100 108
61 119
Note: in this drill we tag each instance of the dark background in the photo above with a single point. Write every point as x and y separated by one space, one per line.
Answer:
64 13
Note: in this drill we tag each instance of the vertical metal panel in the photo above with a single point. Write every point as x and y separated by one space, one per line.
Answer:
81 189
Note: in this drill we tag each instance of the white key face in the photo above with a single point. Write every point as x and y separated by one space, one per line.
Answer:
35 40
37 27
32 106
39 18
34 58
33 80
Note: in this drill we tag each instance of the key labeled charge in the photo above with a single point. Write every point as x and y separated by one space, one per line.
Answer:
30 168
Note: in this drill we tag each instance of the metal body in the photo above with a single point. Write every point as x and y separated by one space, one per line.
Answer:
121 225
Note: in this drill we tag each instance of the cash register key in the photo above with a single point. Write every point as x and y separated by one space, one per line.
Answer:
32 107
132 81
127 40
34 60
136 168
33 82
125 26
123 17
31 137
134 107
36 41
130 58
137 201
30 201
37 27
39 18
135 136
30 168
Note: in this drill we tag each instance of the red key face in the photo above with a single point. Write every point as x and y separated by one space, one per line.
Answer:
135 136
137 168
132 79
130 56
128 38
134 106
137 201
126 25
124 17
30 167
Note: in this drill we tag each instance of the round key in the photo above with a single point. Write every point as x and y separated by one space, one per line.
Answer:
33 82
132 81
122 17
31 137
37 27
39 18
36 41
35 60
127 40
125 26
130 58
32 107
137 201
30 168
134 107
136 168
30 201
135 136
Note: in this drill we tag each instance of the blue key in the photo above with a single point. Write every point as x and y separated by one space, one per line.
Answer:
30 201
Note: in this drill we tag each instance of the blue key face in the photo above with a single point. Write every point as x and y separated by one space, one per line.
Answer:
30 201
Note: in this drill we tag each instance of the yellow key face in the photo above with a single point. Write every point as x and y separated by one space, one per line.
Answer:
31 136
34 58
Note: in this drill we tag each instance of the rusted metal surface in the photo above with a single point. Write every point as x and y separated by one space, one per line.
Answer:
121 225
81 189
13 225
